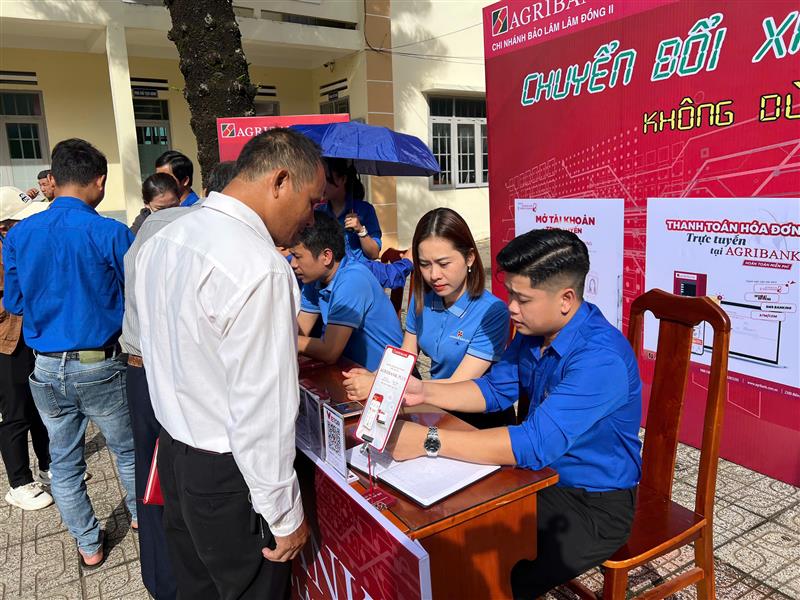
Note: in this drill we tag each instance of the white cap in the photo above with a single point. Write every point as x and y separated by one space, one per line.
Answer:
15 204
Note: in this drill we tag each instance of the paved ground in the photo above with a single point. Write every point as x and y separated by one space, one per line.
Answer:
757 538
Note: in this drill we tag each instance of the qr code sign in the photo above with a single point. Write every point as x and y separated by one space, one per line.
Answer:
334 435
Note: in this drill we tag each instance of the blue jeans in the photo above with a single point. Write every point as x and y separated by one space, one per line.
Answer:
68 393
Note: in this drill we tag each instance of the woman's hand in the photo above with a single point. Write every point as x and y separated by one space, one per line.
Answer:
352 223
415 392
357 383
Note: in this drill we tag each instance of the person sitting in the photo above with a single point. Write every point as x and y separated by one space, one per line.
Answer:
586 405
159 191
359 319
181 168
343 199
451 317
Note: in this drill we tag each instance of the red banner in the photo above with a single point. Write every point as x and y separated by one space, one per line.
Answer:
655 99
234 132
354 553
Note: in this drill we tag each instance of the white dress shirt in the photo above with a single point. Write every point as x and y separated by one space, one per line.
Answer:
218 312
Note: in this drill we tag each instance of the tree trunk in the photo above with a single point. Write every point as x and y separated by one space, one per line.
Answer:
214 68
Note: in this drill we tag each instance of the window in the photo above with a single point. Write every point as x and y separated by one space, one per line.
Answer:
458 141
23 143
150 110
267 108
152 132
332 107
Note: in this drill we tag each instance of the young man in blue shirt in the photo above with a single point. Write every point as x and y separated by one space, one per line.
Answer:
359 319
181 168
64 274
583 382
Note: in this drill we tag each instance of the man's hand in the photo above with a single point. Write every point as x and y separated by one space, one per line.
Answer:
32 193
415 392
407 440
286 548
357 383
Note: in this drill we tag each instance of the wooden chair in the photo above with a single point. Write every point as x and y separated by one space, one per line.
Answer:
396 295
661 525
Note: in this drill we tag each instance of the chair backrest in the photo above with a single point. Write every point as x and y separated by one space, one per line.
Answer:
678 315
395 295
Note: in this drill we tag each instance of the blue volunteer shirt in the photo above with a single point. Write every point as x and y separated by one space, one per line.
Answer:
191 199
355 299
367 217
64 273
586 403
475 326
389 275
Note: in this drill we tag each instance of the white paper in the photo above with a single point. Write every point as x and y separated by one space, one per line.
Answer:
385 397
425 480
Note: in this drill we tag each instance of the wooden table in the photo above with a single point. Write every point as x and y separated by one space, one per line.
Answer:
473 537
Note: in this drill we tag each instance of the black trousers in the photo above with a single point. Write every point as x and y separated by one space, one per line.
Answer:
18 416
214 537
577 530
155 564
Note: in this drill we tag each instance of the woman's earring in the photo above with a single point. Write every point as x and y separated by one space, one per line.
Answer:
469 269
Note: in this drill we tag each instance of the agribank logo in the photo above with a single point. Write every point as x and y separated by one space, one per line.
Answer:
500 21
504 20
230 130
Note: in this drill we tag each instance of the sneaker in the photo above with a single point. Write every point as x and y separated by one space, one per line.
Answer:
46 478
30 496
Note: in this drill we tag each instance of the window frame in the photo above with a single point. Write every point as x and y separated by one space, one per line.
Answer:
454 122
6 164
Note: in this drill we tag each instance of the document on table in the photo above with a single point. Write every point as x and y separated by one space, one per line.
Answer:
425 480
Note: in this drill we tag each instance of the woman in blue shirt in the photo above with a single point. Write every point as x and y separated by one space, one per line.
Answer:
343 200
451 317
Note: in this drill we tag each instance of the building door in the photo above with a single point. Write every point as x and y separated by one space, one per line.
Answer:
152 133
24 150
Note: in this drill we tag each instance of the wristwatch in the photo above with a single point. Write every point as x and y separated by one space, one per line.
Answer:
432 442
362 232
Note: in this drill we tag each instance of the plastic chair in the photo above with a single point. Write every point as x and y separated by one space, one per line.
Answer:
661 525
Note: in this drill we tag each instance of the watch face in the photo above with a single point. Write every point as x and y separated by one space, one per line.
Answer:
432 445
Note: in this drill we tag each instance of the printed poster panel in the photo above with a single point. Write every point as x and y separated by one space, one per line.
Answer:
744 253
599 223
659 99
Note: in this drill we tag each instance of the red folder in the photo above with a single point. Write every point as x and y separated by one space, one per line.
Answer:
152 493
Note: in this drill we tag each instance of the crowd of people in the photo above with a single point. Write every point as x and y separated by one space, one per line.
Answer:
182 334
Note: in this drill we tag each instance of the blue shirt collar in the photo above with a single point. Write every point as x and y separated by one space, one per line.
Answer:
71 202
323 290
563 340
458 308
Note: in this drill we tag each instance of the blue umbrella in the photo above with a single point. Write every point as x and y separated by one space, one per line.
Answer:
373 150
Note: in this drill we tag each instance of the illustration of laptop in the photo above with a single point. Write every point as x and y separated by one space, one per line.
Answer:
752 339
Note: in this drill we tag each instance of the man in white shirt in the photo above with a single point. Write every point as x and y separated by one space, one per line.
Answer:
218 312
